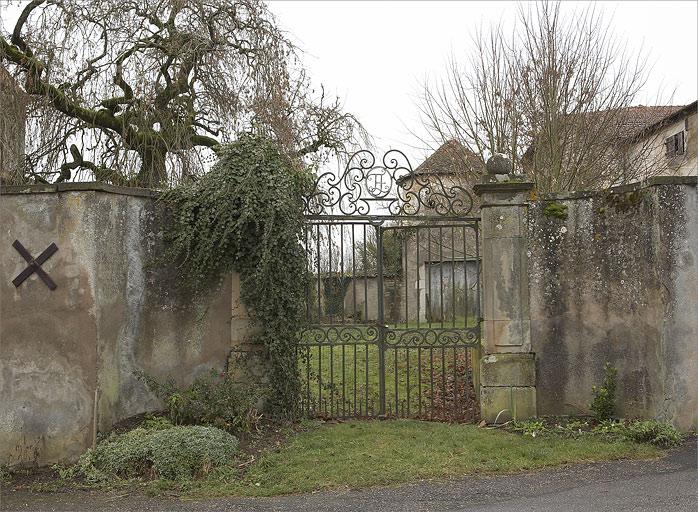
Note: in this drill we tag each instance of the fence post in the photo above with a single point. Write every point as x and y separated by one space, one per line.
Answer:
507 368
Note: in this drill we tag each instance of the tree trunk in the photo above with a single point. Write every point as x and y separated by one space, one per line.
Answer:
153 173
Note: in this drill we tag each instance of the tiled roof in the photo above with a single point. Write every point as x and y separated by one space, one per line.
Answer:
634 120
451 158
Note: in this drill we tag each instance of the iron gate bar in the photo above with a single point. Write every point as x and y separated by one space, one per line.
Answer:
381 321
372 198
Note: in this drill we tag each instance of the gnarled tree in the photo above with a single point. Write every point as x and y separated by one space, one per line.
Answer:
142 92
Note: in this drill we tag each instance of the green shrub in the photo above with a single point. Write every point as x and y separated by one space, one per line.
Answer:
531 428
653 432
212 399
156 423
604 403
175 453
609 427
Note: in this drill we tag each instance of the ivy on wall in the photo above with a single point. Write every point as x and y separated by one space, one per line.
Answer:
246 215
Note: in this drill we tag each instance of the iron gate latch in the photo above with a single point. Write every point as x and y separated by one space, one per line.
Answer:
34 265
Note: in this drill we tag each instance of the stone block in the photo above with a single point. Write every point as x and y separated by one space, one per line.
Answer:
504 221
508 370
512 402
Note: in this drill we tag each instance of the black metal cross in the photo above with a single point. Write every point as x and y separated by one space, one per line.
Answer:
34 264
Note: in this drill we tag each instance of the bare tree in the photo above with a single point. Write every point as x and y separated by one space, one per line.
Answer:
142 92
554 94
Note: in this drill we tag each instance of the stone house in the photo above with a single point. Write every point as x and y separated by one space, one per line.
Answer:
669 138
648 140
440 257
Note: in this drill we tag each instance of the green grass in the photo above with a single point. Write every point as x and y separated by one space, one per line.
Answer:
341 379
362 454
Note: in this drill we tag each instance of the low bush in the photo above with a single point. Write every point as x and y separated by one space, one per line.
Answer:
531 428
639 431
653 432
212 399
151 422
604 403
610 427
174 453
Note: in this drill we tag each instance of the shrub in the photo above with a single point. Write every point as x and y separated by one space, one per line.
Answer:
156 423
609 427
212 399
653 432
531 428
604 403
175 453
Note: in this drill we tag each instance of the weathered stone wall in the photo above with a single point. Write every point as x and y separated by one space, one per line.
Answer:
617 280
113 313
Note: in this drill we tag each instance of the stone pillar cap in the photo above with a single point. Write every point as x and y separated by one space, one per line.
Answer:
503 186
499 164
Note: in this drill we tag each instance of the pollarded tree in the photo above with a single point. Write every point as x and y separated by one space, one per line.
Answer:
141 92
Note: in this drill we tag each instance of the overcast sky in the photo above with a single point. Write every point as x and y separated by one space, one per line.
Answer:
374 55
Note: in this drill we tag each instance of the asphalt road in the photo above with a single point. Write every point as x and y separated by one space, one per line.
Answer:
667 484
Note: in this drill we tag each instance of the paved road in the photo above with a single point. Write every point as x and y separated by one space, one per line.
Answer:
668 484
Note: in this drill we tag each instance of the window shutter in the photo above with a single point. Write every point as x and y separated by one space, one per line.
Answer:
680 143
669 144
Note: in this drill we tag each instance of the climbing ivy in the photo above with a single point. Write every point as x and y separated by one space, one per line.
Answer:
246 215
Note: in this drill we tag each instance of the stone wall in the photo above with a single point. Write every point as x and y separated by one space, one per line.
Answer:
617 280
112 314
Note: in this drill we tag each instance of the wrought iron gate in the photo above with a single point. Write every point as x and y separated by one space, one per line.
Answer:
393 298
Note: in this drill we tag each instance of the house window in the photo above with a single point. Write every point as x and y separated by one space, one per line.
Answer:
675 145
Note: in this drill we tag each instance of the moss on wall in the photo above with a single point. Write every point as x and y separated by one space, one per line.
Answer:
611 285
555 210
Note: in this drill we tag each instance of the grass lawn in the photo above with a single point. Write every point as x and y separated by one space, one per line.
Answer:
342 380
367 453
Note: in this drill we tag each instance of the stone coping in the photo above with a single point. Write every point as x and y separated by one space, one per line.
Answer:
95 186
91 186
656 181
503 186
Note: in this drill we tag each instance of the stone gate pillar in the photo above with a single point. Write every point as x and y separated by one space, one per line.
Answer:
507 369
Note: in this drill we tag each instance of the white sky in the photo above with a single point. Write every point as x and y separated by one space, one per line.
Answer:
374 55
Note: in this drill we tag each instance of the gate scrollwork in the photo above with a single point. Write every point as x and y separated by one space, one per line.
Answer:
392 188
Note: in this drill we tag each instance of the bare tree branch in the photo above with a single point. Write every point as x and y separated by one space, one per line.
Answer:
146 87
554 95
